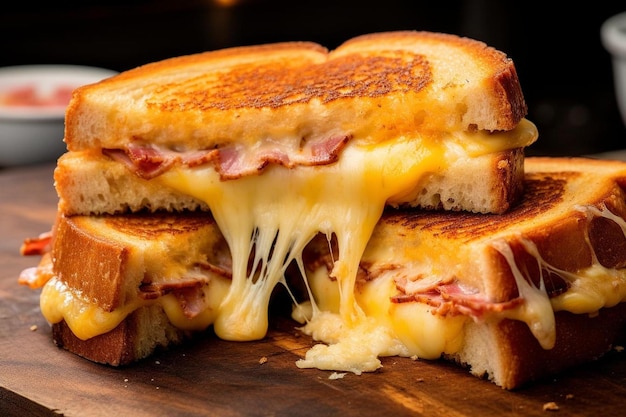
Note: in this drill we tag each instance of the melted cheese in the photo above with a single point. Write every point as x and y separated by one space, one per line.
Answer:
86 319
353 347
536 310
590 288
274 215
410 329
597 286
405 329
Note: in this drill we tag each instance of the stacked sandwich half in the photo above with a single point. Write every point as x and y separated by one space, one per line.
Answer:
382 183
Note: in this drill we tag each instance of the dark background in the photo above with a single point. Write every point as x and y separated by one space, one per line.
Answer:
565 72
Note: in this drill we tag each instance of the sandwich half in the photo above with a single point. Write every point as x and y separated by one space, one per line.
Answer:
116 288
514 297
414 118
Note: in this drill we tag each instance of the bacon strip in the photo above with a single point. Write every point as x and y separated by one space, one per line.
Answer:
232 161
191 300
451 299
224 270
188 290
236 161
37 276
36 245
145 162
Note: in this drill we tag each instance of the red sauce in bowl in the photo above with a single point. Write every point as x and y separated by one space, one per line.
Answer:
28 96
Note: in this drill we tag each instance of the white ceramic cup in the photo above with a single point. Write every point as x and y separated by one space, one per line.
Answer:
613 34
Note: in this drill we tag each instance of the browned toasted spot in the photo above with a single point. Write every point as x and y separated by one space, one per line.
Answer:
158 223
540 193
609 242
345 77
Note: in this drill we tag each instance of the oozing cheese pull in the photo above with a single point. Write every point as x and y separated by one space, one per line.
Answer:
414 329
272 216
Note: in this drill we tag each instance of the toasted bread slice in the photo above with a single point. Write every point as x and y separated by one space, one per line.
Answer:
553 214
122 286
432 120
95 184
514 296
372 88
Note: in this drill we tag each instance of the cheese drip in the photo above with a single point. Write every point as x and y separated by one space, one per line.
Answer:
536 309
270 218
590 288
416 331
87 320
390 329
598 286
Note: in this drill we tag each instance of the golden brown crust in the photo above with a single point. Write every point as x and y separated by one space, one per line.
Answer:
504 87
488 184
106 259
509 355
404 81
547 216
96 268
90 183
136 337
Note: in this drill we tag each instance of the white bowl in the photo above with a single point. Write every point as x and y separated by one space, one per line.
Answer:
613 34
32 124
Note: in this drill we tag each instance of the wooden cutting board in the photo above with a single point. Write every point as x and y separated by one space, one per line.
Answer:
219 378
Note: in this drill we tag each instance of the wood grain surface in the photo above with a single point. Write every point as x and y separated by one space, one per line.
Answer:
218 378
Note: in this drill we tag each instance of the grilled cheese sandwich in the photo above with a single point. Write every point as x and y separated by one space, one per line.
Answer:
388 121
